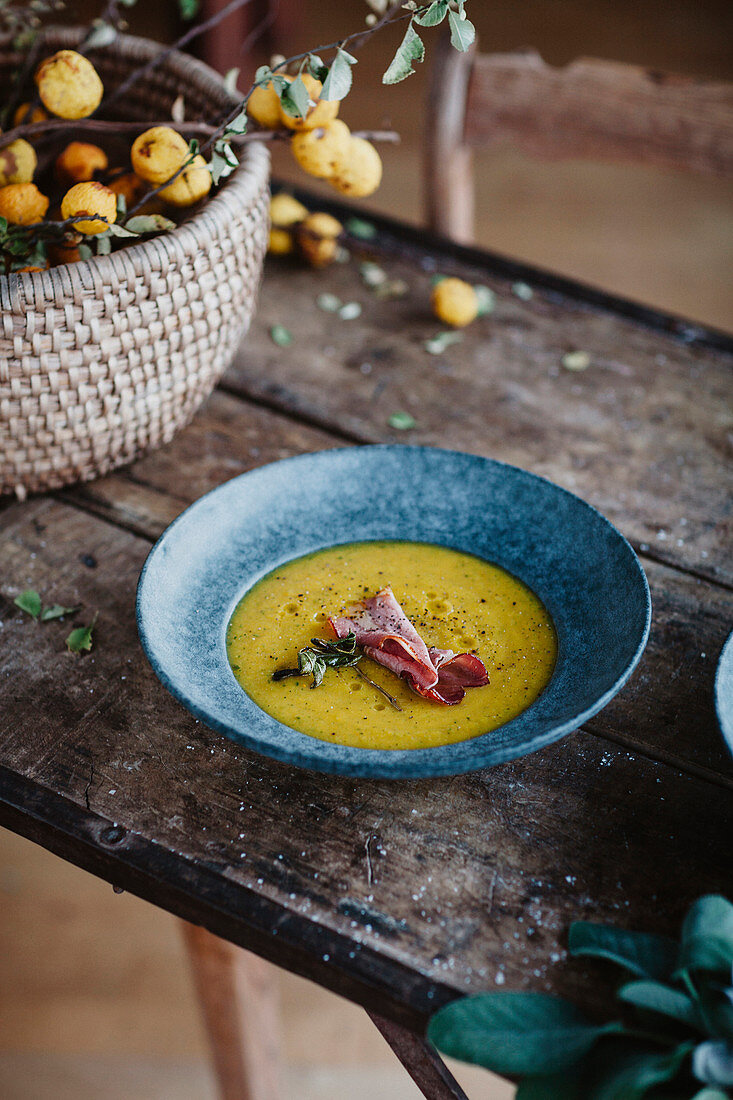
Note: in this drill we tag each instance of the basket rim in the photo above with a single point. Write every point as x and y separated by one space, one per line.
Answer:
243 184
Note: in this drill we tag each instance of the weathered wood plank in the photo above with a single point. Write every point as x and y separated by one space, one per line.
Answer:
601 110
666 710
643 433
469 882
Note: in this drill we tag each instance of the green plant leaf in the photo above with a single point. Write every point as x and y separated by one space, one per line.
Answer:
566 1085
85 250
56 612
630 1074
149 223
462 30
641 953
402 421
435 14
294 98
712 1063
30 602
81 638
409 51
337 84
707 935
656 997
281 336
514 1033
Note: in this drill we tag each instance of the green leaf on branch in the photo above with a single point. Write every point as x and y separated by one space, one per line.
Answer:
515 1033
410 51
707 936
30 602
81 638
230 80
120 230
316 67
337 84
462 30
641 953
150 223
656 997
294 98
102 34
435 14
85 250
238 125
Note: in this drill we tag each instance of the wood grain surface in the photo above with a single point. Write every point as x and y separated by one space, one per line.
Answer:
403 895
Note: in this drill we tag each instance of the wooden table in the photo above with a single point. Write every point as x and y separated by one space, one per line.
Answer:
399 896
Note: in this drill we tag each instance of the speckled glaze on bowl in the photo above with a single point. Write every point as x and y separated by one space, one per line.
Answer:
724 693
580 566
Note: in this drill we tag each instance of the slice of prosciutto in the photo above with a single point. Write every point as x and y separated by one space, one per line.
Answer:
387 636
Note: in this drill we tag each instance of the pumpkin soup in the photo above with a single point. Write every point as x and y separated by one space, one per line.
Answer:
455 601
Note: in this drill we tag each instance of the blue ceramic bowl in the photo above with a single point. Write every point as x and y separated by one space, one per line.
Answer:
724 693
581 567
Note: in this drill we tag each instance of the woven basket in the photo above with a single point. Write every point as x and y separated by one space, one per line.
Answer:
103 360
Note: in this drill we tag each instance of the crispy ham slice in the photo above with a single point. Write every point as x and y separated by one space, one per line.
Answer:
387 636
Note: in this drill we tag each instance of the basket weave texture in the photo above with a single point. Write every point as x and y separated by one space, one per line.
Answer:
103 360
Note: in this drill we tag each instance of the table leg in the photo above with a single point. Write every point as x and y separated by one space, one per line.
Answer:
238 997
421 1060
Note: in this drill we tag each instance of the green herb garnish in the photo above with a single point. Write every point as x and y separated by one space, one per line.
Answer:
313 660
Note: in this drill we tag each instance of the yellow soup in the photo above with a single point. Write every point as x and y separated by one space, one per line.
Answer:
456 601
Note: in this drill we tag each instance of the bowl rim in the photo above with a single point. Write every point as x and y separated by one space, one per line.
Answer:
406 763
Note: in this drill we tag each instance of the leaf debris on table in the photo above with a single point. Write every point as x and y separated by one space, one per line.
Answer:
80 639
436 345
30 602
362 230
402 421
281 336
576 360
329 303
523 291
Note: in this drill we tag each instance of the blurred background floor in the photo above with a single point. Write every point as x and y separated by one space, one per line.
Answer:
96 1003
95 996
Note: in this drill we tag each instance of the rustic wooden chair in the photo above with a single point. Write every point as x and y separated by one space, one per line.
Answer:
594 110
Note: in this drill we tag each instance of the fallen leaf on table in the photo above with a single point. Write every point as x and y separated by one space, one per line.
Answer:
281 336
81 638
30 602
402 421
